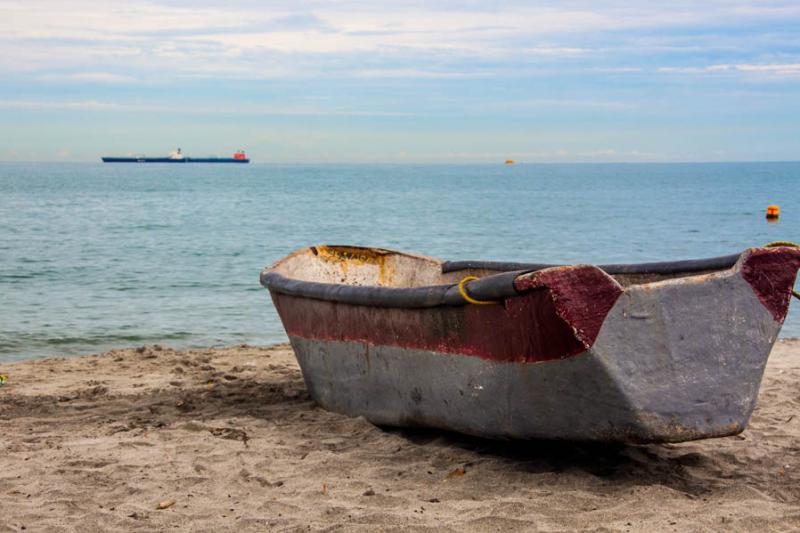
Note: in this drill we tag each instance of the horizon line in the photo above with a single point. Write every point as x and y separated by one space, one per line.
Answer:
499 161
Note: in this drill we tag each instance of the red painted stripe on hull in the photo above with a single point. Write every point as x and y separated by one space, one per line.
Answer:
528 328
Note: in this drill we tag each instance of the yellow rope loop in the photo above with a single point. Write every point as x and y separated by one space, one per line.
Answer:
463 292
3 379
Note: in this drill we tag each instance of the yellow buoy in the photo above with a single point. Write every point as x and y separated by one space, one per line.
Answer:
773 211
509 161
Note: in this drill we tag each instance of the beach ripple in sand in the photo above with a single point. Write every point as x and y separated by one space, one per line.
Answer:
99 443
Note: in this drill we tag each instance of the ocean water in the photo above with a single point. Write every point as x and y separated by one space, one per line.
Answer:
97 256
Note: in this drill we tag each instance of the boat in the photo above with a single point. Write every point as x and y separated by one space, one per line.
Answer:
177 156
640 353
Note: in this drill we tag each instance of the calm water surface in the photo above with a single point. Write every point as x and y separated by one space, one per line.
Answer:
94 257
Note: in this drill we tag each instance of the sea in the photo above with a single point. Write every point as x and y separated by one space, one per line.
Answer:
95 257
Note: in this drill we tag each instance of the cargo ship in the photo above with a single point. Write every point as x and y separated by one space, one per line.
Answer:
178 157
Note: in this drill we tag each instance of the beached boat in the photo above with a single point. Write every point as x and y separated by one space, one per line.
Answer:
659 352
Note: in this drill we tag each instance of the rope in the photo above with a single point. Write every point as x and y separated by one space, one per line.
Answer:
463 292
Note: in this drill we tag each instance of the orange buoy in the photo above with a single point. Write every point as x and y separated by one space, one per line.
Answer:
773 211
509 161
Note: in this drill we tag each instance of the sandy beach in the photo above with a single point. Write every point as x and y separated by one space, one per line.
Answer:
229 440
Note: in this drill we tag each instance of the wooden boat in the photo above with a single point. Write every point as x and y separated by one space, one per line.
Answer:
659 352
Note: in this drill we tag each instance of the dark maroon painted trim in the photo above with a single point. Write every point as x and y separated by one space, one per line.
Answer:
771 272
541 325
583 295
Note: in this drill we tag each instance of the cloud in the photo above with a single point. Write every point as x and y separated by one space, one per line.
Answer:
416 73
168 39
786 69
615 70
563 103
48 104
244 109
556 51
91 77
599 155
790 69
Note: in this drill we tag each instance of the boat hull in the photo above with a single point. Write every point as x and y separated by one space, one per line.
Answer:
578 359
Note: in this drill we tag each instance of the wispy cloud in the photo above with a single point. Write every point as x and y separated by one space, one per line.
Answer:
563 103
244 109
90 77
47 104
160 39
785 69
584 79
597 155
417 73
615 70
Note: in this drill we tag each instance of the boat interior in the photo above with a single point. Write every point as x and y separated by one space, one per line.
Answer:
375 267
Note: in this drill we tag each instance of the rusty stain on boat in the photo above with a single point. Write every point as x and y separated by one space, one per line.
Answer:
348 256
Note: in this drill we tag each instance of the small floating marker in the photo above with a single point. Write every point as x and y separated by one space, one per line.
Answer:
773 212
509 161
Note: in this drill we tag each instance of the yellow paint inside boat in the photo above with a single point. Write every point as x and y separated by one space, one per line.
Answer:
353 265
346 257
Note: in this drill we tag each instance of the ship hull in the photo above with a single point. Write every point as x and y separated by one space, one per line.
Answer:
172 160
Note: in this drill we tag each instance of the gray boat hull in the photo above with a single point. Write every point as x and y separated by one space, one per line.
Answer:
675 360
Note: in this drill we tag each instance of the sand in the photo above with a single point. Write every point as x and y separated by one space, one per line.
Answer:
228 440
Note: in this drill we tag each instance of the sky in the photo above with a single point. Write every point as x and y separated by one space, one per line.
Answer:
412 81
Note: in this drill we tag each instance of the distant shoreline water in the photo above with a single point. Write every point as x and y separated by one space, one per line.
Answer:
94 256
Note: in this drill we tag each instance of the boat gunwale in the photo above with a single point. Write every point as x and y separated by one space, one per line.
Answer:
659 267
494 287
